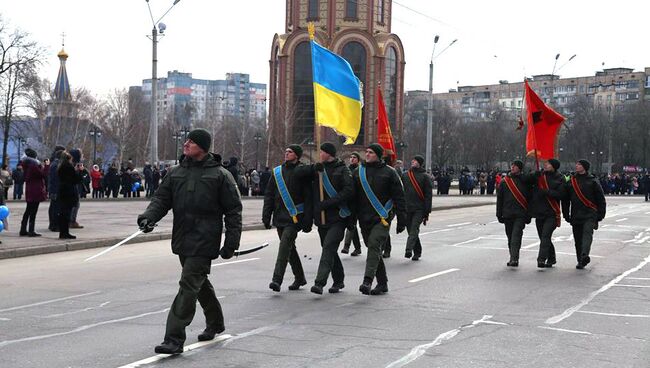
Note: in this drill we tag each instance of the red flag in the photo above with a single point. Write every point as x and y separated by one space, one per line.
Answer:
384 135
543 126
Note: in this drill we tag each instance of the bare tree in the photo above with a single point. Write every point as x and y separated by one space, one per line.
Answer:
117 121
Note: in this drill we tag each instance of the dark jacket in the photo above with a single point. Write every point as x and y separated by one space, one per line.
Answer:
573 210
413 201
298 181
539 206
69 180
341 180
507 205
386 184
203 196
34 180
53 177
112 179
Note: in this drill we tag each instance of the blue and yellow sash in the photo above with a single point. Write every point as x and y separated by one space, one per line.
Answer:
344 211
382 211
286 197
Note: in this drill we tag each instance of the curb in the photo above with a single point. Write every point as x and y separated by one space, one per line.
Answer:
99 243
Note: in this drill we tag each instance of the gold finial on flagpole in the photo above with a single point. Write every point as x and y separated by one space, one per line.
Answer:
311 29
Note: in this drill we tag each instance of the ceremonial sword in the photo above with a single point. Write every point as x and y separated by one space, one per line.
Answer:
237 253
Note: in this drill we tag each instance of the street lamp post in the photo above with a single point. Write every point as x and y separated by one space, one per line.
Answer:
403 146
258 138
428 159
95 132
177 138
154 79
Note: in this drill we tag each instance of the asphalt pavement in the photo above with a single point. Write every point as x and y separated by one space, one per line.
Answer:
459 306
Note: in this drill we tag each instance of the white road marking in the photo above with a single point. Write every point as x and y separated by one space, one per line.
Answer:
160 357
467 241
461 224
420 350
79 329
436 231
617 314
460 245
344 305
494 222
623 219
48 301
567 313
647 213
564 330
233 262
531 245
434 275
638 278
256 331
633 286
77 311
5 319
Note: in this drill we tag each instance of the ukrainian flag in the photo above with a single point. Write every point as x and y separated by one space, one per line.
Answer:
337 93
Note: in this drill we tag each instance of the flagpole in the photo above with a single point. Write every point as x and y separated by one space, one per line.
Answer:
534 132
311 30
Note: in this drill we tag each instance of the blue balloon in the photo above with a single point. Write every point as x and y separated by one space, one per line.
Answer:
2 226
137 185
4 212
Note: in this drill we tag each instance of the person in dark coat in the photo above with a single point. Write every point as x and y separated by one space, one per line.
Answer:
646 185
265 177
127 183
68 193
338 190
148 179
18 176
584 207
384 182
53 189
512 208
200 208
155 180
296 178
545 209
352 233
77 157
418 192
34 192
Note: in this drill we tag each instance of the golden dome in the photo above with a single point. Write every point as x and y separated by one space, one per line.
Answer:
62 54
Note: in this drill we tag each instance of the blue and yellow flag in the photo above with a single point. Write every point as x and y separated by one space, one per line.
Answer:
337 93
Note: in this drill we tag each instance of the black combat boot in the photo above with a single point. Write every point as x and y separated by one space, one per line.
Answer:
408 253
210 332
297 284
275 286
345 250
169 347
336 287
379 289
365 287
513 263
317 289
356 252
416 257
386 254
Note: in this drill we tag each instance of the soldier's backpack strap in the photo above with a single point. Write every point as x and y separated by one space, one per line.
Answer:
381 210
286 197
344 211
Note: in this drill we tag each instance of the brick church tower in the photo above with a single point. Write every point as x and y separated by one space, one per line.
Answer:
358 30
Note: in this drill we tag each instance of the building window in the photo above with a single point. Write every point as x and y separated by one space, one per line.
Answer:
302 109
355 54
313 10
351 7
390 86
380 11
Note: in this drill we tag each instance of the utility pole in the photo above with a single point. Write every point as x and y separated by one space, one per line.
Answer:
427 159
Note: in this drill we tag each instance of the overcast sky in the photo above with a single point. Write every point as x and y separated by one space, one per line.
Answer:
499 39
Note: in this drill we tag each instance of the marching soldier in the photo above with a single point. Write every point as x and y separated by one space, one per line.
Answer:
379 196
512 208
338 189
418 192
545 208
201 194
584 207
352 234
287 200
